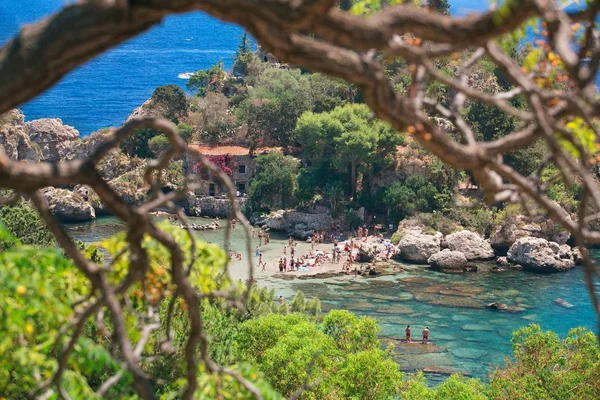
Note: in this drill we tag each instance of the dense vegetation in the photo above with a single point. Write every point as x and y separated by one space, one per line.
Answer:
347 159
280 347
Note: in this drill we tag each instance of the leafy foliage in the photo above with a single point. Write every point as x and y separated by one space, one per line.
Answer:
275 182
274 105
207 80
286 345
37 286
417 193
546 367
336 143
24 223
170 101
212 118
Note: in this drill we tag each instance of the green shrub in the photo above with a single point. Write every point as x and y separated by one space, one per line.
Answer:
24 223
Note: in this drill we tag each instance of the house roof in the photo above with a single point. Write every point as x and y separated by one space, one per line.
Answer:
231 150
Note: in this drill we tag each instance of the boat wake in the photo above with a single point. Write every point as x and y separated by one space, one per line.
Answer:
185 75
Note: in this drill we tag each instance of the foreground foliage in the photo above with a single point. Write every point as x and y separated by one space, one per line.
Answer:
281 348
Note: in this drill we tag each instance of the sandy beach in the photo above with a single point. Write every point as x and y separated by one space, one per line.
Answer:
272 252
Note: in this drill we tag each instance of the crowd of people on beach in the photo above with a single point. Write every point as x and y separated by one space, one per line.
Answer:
346 251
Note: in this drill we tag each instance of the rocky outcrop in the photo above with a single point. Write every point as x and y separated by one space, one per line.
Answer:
503 307
207 206
113 163
14 139
52 136
298 224
277 222
540 255
68 206
416 246
470 244
520 226
448 261
366 253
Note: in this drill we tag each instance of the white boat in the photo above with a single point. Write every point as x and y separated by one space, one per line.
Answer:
185 75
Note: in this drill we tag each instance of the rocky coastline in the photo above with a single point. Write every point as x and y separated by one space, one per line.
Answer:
518 244
457 252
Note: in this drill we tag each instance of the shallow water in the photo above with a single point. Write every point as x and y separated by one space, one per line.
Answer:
467 336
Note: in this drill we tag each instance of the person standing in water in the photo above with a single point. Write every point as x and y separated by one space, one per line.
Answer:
425 335
261 263
407 330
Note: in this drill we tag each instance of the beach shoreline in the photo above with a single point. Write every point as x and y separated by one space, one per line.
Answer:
273 251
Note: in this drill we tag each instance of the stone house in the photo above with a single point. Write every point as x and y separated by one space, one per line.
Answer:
239 160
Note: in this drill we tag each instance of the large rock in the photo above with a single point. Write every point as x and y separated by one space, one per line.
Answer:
366 253
448 260
540 255
88 194
191 204
277 221
417 246
52 136
505 236
68 206
470 244
14 139
289 221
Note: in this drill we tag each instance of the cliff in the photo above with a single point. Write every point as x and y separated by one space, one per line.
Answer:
50 140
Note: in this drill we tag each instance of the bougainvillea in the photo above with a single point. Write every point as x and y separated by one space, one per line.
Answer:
225 163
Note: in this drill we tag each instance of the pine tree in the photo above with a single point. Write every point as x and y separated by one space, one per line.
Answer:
243 57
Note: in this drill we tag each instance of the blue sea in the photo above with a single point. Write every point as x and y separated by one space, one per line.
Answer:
104 91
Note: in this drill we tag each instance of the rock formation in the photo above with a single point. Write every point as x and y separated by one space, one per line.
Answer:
52 136
301 225
540 255
520 226
417 246
14 138
448 261
470 244
68 206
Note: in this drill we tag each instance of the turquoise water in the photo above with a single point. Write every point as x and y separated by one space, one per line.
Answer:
468 336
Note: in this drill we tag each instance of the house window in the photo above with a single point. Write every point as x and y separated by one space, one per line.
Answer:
241 187
211 189
242 169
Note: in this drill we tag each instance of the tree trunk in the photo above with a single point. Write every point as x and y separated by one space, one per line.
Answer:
353 178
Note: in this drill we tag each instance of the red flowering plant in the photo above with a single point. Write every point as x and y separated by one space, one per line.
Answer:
225 163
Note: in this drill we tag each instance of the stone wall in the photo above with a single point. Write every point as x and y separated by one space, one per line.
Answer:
208 206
